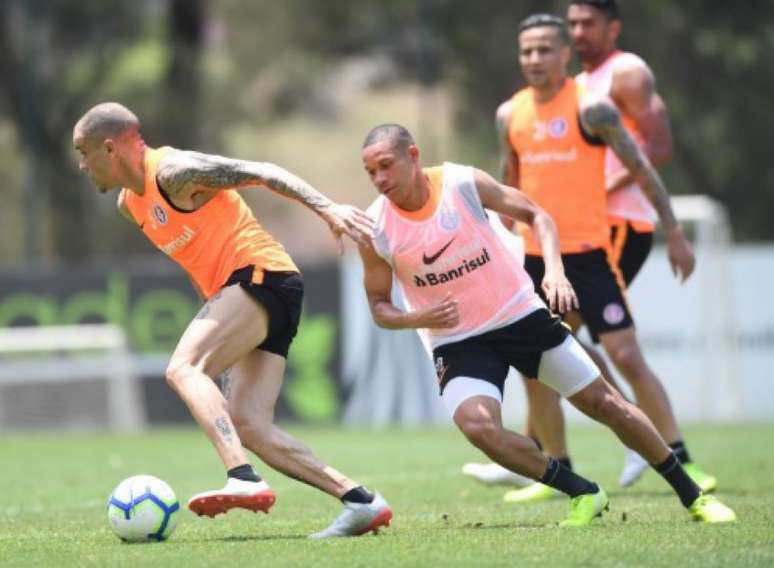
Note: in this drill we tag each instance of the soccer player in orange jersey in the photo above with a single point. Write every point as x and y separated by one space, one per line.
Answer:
554 142
188 204
476 306
623 76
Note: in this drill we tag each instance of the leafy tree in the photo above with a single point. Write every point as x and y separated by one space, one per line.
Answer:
62 57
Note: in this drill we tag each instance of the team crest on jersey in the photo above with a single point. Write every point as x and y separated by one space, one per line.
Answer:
159 214
557 127
449 220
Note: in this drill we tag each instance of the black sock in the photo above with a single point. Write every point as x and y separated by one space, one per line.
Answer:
358 494
680 451
565 461
672 470
565 480
245 472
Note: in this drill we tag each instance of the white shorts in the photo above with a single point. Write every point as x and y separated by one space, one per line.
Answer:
566 368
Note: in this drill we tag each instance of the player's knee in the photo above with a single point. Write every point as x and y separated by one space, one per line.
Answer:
627 359
604 405
482 432
183 368
610 408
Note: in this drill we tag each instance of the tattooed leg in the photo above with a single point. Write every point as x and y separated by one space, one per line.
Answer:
230 325
209 407
224 428
205 310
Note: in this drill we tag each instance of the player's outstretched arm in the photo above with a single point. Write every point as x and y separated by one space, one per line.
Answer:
510 201
186 173
377 280
600 117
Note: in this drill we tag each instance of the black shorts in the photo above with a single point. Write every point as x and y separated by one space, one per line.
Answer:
281 294
489 355
600 291
630 248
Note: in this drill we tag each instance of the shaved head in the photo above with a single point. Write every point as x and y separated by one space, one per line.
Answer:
395 134
107 120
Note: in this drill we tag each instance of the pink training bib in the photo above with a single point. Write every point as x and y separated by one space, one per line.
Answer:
454 249
628 202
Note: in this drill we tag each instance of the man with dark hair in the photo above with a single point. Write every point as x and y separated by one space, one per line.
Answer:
543 20
627 80
607 7
475 305
623 76
554 141
396 134
189 206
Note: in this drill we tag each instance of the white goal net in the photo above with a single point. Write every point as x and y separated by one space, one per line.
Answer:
72 377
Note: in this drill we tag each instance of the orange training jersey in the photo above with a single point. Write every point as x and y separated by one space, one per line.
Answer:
559 170
210 242
629 202
451 245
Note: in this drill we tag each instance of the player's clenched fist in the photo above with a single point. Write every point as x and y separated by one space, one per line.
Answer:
444 314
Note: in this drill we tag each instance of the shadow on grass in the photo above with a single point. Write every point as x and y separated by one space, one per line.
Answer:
257 537
501 526
667 495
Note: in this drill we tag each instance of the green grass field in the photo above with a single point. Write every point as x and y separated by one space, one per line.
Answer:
54 489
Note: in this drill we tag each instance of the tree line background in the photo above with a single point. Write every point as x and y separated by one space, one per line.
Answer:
300 82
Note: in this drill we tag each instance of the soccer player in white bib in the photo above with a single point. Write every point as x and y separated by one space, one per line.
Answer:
469 295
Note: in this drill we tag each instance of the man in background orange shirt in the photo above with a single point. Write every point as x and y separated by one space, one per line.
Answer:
186 203
567 177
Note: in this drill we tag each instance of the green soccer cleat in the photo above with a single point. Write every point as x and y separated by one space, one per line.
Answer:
706 482
584 508
530 494
707 509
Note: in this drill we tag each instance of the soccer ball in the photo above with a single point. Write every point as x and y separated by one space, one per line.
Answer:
143 508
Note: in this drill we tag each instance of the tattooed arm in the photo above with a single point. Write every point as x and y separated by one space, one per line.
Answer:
600 118
186 175
633 90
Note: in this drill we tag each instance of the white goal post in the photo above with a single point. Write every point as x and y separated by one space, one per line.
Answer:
61 354
713 245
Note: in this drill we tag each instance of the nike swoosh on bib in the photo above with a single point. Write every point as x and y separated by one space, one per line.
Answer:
431 259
